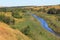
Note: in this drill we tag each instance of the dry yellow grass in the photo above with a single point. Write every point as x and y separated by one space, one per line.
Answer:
7 33
19 20
8 14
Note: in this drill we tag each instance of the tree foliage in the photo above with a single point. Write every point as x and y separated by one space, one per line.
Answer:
6 20
15 14
26 30
53 11
2 9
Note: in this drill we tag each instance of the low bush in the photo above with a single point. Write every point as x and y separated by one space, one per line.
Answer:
51 11
7 20
16 15
26 30
58 11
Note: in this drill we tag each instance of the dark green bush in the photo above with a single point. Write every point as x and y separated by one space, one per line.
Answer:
1 17
26 30
51 11
7 20
2 9
15 14
58 18
58 11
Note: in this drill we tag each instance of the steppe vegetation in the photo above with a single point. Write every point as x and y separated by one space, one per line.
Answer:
18 18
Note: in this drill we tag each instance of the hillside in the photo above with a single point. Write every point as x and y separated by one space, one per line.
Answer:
17 24
7 33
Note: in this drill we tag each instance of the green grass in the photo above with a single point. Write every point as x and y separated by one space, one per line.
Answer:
35 30
52 20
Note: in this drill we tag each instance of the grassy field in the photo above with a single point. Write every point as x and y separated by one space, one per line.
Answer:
52 20
28 27
33 29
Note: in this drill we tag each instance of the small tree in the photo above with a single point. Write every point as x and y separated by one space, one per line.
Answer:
15 14
51 11
2 9
6 20
26 30
58 18
58 11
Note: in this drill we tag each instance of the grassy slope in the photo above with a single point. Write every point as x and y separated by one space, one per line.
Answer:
36 32
7 33
33 29
52 19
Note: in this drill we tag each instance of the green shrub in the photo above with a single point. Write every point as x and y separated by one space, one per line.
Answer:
7 20
58 18
1 17
2 9
58 11
16 15
51 11
26 30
